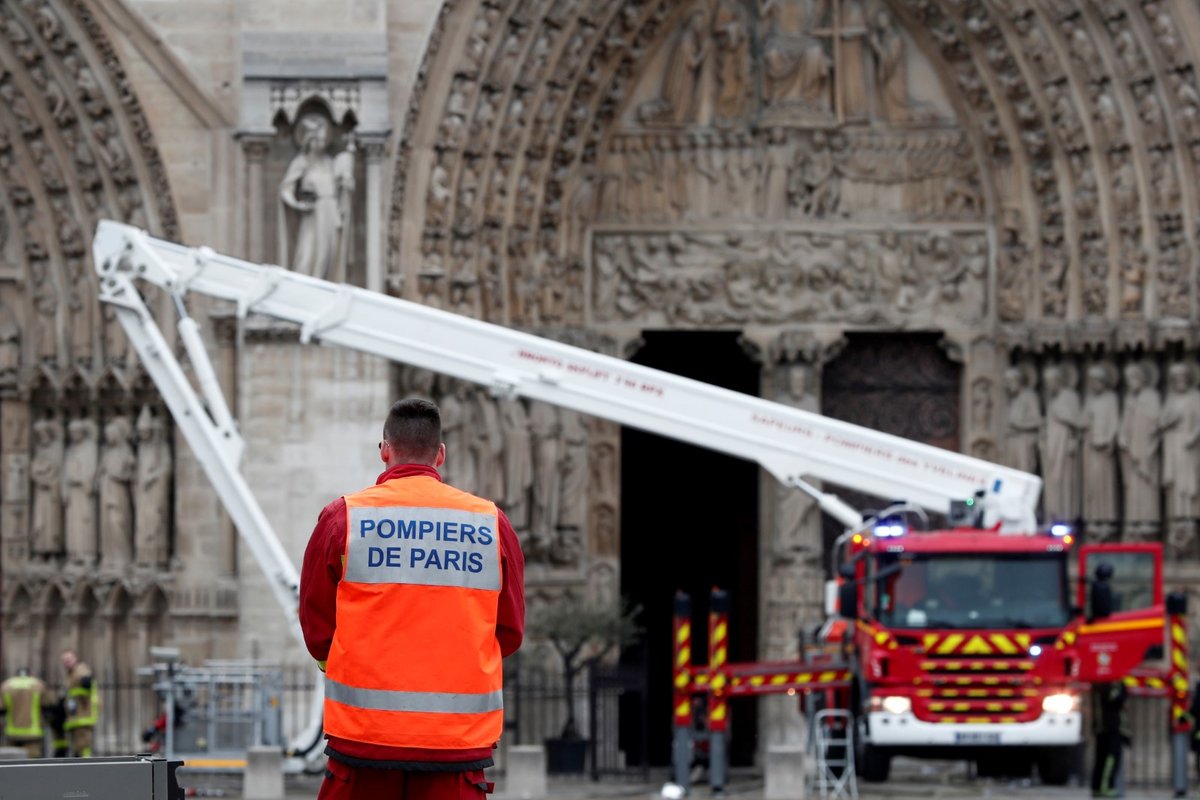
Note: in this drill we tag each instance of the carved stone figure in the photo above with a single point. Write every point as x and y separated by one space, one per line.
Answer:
679 93
852 65
891 69
79 491
1100 486
1023 423
546 431
1180 426
118 467
10 346
572 511
46 472
313 188
798 532
733 60
152 492
486 443
518 460
1060 449
1139 445
457 470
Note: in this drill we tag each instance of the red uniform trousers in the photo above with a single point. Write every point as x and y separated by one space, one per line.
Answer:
344 782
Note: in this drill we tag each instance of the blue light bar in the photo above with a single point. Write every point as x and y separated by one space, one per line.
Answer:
1060 529
889 530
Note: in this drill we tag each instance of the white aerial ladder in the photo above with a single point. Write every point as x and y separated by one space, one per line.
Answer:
791 444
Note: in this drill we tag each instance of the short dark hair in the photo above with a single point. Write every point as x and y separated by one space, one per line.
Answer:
414 430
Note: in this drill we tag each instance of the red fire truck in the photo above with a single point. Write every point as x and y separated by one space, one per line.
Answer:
971 643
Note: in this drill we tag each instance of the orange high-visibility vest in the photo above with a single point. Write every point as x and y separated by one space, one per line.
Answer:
414 660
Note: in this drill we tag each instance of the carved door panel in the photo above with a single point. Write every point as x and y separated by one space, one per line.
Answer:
903 384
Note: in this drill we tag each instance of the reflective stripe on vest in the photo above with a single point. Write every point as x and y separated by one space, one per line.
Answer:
89 702
436 702
414 661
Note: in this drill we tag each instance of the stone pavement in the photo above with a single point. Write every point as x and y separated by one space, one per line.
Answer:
930 781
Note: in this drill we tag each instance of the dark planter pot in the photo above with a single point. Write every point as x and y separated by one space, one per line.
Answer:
566 756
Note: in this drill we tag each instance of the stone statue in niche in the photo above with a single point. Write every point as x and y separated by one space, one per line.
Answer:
1060 448
891 68
457 469
46 472
796 534
79 491
10 347
316 190
1139 442
118 467
1180 426
151 523
546 432
1102 414
518 460
1024 421
852 64
572 510
679 93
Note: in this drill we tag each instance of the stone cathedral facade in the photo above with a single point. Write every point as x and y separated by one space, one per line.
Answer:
1001 198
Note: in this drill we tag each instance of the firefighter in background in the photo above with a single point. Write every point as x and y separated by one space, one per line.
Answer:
82 703
1111 732
21 698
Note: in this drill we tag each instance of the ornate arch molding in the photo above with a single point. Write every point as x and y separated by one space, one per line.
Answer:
75 146
1084 119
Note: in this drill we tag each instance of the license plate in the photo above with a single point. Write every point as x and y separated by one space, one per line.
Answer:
977 737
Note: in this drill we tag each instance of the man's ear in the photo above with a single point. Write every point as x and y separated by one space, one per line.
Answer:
441 456
385 452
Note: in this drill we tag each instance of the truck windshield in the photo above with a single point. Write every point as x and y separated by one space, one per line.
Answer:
983 590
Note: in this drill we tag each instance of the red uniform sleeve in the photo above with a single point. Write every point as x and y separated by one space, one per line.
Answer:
319 576
510 620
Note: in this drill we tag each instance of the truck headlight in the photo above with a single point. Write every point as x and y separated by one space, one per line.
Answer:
892 704
1061 703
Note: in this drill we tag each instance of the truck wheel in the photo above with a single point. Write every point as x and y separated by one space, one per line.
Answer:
1054 765
874 764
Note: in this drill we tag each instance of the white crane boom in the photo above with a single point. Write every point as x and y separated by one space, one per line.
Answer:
789 443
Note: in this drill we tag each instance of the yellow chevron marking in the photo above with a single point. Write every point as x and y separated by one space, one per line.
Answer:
1180 659
1020 706
881 637
718 659
925 693
1023 640
684 633
702 680
928 665
950 643
929 640
1069 637
962 681
1130 681
718 713
805 677
685 657
950 693
977 693
976 646
681 681
1178 634
1004 644
991 681
828 677
1180 683
1155 683
979 665
1030 692
994 707
1008 719
778 679
1004 693
757 680
684 709
948 720
962 706
976 720
721 631
937 706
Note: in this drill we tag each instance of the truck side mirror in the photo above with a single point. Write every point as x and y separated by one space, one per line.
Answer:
848 600
1101 599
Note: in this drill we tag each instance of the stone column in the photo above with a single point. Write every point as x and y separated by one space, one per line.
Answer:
982 383
255 149
374 149
14 486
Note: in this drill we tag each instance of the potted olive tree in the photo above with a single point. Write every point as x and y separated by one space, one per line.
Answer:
579 632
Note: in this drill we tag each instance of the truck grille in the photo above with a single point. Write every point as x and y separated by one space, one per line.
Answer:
977 690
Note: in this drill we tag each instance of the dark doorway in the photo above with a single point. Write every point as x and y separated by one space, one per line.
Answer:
689 520
898 383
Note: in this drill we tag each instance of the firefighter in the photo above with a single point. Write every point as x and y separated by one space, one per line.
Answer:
21 698
1110 729
82 703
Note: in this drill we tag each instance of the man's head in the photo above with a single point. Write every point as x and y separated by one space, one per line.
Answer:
69 659
412 434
